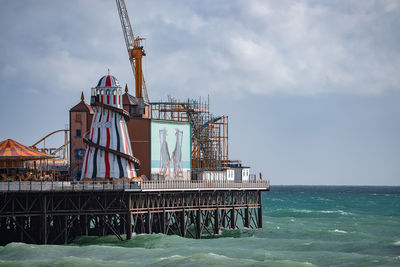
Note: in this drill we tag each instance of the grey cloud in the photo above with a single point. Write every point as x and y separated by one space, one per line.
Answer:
261 47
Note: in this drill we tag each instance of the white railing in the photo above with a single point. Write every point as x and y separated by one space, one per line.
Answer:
67 186
172 185
202 185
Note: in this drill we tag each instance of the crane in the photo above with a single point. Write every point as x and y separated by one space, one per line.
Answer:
135 51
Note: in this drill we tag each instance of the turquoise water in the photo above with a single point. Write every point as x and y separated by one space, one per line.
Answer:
302 226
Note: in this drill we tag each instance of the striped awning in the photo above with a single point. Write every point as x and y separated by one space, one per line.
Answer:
10 149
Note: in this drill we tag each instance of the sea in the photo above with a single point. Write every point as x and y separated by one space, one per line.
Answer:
302 226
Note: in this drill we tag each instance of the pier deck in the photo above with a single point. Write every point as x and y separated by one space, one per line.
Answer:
57 212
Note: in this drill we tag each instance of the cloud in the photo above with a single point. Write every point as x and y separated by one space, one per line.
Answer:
295 48
229 47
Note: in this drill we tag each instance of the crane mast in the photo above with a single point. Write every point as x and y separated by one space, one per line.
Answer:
135 51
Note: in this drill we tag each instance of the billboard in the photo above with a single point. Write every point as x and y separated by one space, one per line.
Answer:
170 150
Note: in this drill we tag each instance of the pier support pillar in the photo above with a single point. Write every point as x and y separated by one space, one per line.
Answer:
182 223
128 226
85 225
21 222
65 220
128 218
44 220
259 210
102 225
217 224
246 212
223 218
198 224
148 222
163 222
246 217
233 222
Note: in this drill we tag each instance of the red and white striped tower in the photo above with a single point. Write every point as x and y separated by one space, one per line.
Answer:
109 152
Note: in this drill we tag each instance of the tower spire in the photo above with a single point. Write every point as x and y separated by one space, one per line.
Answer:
126 88
82 97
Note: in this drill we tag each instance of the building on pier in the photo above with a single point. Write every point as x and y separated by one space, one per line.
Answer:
109 152
172 139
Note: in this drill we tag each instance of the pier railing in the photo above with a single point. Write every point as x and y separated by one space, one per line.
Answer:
202 185
145 186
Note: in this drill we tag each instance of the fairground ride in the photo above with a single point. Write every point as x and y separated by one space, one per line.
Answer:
61 152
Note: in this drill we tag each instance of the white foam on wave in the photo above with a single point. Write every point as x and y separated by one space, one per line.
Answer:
338 231
301 211
341 212
217 255
397 244
172 257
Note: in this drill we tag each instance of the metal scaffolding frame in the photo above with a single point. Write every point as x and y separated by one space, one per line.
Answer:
210 149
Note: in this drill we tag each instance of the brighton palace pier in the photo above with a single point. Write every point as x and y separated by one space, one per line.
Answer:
128 181
134 166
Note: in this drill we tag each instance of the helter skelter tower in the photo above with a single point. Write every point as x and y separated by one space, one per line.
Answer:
109 153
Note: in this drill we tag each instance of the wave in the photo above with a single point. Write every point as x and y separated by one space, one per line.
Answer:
397 244
341 212
203 259
305 212
337 231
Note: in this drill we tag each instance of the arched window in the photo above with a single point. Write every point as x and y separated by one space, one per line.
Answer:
114 92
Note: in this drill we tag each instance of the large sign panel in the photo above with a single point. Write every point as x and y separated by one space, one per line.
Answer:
170 150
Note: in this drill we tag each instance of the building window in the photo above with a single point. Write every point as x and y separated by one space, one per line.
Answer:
78 117
78 132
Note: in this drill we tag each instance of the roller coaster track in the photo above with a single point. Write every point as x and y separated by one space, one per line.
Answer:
50 134
64 146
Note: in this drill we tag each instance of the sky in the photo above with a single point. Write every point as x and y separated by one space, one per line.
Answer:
311 88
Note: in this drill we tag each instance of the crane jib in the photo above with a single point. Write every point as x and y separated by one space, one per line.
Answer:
135 51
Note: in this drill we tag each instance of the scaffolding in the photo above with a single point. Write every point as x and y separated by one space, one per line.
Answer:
209 132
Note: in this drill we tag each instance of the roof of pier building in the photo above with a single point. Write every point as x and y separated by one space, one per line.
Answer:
82 106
